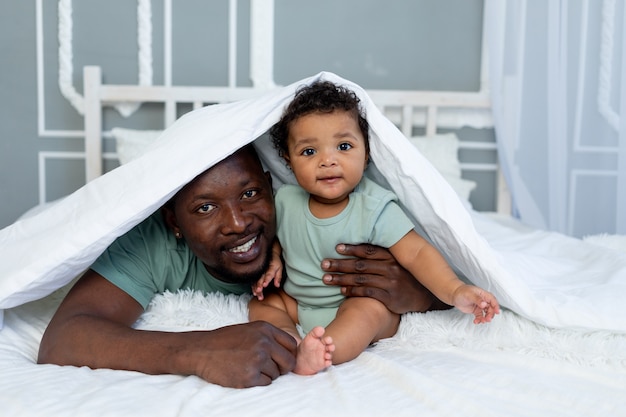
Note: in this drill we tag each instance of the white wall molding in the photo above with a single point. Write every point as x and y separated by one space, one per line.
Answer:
605 76
66 55
44 156
575 176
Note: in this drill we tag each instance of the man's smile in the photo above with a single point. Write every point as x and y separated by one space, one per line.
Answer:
245 247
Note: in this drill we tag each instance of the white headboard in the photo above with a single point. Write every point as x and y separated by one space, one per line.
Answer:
409 110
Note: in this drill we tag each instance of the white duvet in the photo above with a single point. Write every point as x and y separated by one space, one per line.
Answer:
558 281
558 348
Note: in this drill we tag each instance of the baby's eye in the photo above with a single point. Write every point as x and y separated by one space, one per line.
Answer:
205 208
250 193
344 146
308 152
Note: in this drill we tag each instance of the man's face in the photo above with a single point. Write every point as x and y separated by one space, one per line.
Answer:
226 215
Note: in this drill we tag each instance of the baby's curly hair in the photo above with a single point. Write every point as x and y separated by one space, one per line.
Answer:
323 97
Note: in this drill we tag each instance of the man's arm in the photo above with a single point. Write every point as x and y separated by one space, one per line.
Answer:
92 327
373 272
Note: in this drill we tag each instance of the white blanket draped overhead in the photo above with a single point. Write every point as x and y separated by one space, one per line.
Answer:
546 277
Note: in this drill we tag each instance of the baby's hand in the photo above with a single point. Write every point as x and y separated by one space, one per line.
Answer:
473 300
274 273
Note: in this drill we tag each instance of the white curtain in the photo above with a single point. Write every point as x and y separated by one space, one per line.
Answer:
557 75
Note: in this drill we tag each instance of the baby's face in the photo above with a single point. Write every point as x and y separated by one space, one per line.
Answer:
327 154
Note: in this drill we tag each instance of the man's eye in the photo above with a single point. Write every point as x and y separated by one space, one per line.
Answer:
250 193
308 152
344 146
205 208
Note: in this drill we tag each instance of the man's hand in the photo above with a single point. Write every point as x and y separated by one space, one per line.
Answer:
374 272
246 355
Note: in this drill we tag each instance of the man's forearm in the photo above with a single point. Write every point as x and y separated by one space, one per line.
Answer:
98 343
239 356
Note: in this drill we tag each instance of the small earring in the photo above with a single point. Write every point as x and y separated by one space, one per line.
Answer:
178 235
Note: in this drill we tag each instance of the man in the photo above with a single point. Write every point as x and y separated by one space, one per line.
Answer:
216 234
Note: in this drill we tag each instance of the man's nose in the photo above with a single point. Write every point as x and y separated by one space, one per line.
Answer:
235 219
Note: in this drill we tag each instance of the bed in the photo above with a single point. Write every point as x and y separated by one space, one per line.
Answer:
558 348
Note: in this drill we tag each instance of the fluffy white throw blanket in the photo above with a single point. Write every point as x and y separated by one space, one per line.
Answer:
436 331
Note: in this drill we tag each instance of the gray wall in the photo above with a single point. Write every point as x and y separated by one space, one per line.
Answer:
425 44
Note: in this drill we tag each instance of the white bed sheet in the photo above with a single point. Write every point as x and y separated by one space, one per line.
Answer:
438 364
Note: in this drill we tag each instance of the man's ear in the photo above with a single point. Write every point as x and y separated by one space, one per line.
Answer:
170 219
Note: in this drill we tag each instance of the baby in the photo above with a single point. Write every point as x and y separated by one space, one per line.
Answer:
324 139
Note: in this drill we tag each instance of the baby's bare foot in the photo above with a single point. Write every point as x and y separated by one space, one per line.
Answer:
315 352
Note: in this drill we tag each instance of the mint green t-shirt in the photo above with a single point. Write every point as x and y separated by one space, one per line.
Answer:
149 260
372 216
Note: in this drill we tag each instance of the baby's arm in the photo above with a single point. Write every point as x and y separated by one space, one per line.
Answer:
430 268
274 272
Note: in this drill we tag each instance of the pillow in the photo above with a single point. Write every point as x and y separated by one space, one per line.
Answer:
443 152
130 143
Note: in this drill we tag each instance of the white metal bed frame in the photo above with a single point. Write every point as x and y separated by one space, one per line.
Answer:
407 109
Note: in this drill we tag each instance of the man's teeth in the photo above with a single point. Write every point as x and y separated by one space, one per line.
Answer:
245 247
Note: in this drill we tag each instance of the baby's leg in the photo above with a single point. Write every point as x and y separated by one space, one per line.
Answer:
278 309
360 321
314 351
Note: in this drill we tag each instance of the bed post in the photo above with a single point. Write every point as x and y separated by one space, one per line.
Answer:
92 79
